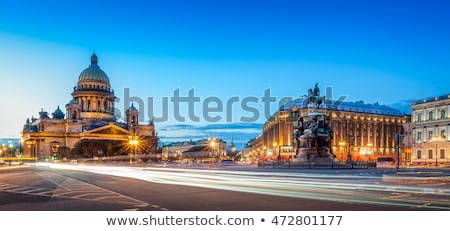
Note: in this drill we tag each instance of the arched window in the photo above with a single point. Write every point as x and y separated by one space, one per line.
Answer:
98 106
430 115
443 115
89 106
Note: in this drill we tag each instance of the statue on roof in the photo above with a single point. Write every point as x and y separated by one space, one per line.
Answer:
316 90
314 96
43 114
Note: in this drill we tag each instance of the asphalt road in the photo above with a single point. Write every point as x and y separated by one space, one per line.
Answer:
101 188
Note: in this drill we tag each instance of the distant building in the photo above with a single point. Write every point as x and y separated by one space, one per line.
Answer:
89 127
362 130
247 151
431 125
211 148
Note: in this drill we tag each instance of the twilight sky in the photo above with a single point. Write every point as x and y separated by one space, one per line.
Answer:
390 52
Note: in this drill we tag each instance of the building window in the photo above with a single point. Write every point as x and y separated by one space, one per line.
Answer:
419 154
430 135
443 134
442 154
419 136
443 114
419 117
430 154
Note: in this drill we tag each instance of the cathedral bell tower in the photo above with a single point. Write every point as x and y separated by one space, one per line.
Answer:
132 116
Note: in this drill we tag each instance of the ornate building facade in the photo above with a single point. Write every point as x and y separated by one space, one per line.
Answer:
431 124
365 131
89 127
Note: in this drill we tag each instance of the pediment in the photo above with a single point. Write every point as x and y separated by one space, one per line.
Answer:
109 130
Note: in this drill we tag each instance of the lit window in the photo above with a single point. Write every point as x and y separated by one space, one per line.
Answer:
419 136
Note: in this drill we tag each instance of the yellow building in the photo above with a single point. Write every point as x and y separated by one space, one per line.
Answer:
365 131
89 127
431 124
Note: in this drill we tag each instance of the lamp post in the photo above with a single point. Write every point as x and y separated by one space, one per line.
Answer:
134 142
435 140
213 146
10 148
20 146
4 148
275 145
370 149
342 151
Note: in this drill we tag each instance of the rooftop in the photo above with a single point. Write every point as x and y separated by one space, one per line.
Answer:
358 107
431 99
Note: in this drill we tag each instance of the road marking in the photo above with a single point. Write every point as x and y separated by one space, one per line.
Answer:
70 188
25 190
74 189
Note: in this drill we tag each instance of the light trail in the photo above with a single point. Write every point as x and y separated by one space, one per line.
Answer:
343 187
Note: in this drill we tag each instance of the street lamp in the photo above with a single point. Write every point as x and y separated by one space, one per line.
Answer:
213 145
342 145
11 148
4 148
435 140
20 146
370 149
134 142
275 145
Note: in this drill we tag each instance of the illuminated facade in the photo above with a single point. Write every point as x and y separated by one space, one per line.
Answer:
365 131
89 127
431 124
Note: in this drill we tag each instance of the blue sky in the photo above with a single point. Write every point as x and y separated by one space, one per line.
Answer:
390 52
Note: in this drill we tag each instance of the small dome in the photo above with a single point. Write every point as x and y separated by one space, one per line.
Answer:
58 114
93 72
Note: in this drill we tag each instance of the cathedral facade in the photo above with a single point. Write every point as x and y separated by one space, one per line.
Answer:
89 127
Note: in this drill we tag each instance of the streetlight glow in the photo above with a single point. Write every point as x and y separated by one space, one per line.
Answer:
134 142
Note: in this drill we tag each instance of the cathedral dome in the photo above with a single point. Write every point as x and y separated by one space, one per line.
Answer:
93 73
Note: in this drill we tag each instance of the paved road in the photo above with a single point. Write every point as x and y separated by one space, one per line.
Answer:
94 188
